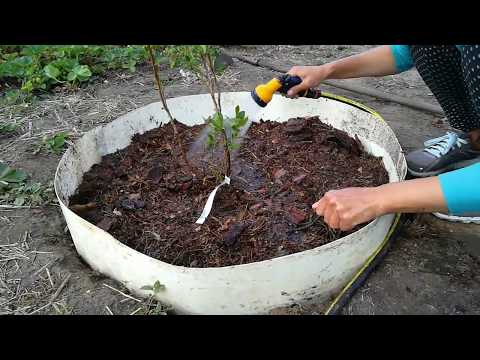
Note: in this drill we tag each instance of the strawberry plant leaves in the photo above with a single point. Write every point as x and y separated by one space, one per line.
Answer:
10 175
52 71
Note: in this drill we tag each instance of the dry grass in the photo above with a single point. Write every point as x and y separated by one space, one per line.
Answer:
41 292
72 113
20 295
144 306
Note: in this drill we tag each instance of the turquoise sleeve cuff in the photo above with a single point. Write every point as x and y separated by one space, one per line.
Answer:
403 58
461 189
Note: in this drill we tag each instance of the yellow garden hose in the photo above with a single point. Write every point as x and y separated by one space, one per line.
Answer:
358 279
348 291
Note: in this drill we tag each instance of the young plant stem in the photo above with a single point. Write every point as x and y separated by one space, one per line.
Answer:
213 87
161 93
210 85
160 89
215 82
226 155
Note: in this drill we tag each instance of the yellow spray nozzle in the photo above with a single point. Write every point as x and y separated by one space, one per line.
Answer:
263 93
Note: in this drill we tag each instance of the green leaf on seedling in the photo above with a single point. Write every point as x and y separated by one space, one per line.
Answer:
156 288
217 121
52 71
211 140
56 143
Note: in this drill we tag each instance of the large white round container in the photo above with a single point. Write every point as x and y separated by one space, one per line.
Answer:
252 288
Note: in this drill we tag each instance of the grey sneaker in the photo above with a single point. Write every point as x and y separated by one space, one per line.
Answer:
449 152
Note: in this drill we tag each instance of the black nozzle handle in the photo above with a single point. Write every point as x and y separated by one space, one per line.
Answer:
289 81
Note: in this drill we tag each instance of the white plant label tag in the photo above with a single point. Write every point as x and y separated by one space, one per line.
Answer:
209 204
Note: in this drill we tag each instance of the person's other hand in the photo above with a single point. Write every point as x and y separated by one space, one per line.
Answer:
346 208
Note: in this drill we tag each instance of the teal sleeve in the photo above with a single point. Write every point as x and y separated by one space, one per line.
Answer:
461 189
402 56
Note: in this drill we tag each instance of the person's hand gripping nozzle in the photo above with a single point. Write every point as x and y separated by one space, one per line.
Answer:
263 93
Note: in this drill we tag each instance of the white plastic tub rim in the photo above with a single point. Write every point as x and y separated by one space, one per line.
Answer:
253 288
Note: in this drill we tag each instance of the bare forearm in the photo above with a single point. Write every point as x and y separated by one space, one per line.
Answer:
345 208
411 196
376 62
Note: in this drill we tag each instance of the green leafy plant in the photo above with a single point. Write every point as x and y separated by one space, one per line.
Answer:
153 306
28 69
14 189
8 128
156 288
10 176
232 127
200 59
54 144
27 194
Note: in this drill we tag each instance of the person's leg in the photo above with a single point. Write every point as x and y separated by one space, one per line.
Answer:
440 67
471 73
448 73
453 76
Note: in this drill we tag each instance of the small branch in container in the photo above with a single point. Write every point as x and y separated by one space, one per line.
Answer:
161 93
214 88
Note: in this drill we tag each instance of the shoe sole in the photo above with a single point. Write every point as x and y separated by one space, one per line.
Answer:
461 219
454 166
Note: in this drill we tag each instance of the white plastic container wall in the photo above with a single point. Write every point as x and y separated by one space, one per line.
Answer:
252 288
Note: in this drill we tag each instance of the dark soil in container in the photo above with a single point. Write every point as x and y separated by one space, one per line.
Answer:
145 197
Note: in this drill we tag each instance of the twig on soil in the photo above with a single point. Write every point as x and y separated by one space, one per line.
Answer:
122 293
51 262
60 288
18 207
108 310
49 277
40 308
8 301
136 311
306 226
56 308
24 240
10 252
251 153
